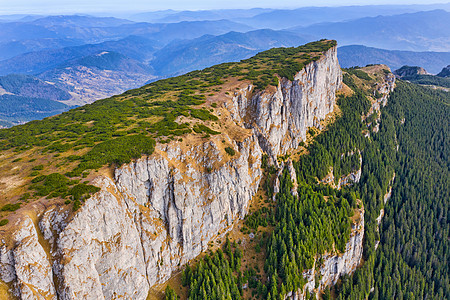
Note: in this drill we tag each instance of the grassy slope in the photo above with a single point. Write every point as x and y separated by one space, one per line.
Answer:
116 130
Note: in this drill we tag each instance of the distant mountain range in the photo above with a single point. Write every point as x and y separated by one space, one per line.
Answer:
61 31
284 18
421 31
172 16
356 55
181 57
305 16
138 48
82 58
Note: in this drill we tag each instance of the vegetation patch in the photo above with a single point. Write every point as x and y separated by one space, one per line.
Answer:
57 185
216 276
10 207
115 151
230 151
358 73
200 128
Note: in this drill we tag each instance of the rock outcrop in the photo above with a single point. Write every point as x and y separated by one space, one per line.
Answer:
335 265
160 211
281 117
407 71
27 265
345 180
384 88
445 72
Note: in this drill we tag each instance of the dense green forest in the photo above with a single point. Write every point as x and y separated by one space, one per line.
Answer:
429 80
411 261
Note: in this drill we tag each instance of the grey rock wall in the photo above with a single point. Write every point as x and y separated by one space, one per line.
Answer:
281 117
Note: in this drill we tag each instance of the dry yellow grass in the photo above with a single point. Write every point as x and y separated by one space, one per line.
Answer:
4 292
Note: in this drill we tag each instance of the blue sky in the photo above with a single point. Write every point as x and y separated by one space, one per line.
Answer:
86 6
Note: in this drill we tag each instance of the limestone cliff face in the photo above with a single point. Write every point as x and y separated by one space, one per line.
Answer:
155 214
27 265
280 117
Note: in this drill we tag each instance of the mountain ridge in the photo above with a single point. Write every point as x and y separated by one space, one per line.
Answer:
418 31
358 55
207 137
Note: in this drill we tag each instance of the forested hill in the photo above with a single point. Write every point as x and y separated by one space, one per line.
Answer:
412 259
405 178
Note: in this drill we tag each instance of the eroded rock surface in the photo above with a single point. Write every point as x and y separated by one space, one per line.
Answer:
281 117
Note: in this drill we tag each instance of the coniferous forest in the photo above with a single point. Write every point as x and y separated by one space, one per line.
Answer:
412 259
405 257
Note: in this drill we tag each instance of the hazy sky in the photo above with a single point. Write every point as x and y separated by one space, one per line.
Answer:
86 6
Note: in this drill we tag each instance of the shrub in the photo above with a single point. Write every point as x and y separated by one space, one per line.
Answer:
199 128
4 222
55 184
203 115
230 151
10 207
34 173
82 190
115 151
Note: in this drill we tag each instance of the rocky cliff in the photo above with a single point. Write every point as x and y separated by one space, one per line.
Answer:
280 117
445 72
155 214
334 266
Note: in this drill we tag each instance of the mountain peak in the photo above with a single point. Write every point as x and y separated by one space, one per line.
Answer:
407 71
445 72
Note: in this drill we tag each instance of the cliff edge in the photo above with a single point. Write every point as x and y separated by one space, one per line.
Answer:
160 211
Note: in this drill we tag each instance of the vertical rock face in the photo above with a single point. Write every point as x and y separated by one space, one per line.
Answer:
192 203
99 254
337 265
281 116
159 212
27 266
